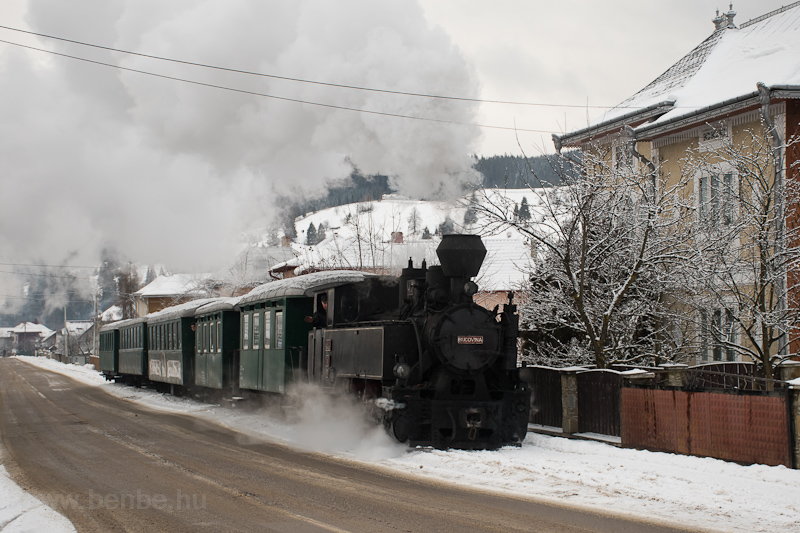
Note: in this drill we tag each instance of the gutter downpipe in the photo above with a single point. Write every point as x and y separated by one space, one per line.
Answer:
630 134
765 96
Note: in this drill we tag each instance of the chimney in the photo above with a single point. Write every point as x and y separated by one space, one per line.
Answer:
730 14
286 241
719 21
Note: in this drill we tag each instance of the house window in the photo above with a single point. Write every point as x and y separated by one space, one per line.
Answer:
623 154
717 335
715 198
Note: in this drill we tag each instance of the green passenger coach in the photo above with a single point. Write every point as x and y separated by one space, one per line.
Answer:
274 333
171 341
109 351
133 348
216 363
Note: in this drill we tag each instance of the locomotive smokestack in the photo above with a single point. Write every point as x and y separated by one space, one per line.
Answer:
461 256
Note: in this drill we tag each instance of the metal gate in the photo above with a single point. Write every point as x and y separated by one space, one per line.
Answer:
599 402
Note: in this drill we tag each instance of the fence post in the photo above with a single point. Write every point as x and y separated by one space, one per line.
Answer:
789 370
569 399
674 374
793 399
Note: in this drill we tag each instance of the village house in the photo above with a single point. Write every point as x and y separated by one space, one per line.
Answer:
739 85
169 290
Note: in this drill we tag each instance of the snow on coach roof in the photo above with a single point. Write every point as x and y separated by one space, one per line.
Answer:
304 285
219 304
122 323
179 311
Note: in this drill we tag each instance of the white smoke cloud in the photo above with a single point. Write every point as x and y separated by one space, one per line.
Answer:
170 172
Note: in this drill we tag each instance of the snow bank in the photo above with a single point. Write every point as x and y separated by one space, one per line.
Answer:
22 513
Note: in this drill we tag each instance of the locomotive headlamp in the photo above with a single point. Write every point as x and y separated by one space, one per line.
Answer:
402 370
470 288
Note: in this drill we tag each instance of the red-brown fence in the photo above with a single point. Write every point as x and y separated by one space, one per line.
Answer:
734 427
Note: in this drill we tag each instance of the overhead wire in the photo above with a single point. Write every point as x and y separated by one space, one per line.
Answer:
283 98
301 80
47 266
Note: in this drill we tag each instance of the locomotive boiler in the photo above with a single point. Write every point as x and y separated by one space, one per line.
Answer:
440 370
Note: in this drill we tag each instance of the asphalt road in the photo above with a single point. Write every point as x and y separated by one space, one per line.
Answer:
112 465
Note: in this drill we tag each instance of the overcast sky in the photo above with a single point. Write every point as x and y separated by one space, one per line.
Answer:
171 172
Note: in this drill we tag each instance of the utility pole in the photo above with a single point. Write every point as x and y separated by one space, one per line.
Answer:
66 336
96 322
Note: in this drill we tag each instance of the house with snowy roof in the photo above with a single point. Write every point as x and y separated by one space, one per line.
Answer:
6 340
169 290
27 335
737 90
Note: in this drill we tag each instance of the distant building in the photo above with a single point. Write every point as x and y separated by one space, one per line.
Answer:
174 289
27 335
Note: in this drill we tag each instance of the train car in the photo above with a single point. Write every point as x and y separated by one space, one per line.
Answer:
274 331
133 349
171 345
109 351
216 356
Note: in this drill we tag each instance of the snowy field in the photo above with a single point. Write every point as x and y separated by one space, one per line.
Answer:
702 493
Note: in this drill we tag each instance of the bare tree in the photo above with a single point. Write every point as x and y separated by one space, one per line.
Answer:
747 257
127 283
605 251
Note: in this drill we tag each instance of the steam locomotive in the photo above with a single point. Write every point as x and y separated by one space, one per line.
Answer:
436 368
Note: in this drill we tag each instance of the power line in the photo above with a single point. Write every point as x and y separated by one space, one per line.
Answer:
47 266
300 80
41 275
283 98
28 298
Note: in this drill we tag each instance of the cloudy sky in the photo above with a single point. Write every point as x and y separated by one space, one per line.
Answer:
171 172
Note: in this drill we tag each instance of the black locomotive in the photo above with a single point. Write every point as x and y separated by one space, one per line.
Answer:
441 370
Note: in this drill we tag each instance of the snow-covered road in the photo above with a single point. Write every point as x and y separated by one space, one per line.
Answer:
697 492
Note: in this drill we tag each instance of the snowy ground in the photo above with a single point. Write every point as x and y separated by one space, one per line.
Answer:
697 492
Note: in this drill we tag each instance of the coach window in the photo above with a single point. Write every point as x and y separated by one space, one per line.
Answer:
246 331
267 329
256 329
219 336
278 329
214 339
198 344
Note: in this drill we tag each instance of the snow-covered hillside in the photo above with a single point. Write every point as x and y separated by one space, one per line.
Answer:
366 235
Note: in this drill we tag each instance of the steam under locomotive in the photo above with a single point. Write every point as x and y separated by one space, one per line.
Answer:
437 369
